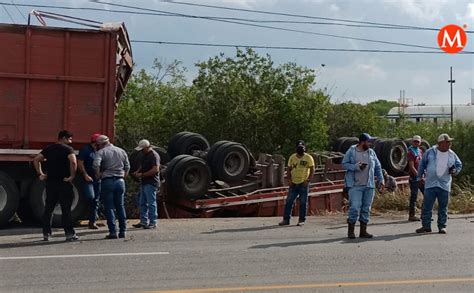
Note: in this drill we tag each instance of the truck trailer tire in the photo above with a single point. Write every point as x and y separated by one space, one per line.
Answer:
189 176
185 143
231 162
394 157
337 145
38 198
348 142
9 198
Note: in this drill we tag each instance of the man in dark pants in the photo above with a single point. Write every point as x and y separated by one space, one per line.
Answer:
300 171
415 153
91 184
60 170
149 175
111 166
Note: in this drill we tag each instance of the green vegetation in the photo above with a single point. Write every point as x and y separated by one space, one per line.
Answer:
249 99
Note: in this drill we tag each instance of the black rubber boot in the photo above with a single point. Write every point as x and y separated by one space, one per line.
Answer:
350 231
363 231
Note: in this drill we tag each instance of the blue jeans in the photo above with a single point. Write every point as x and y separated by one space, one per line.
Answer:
147 201
293 192
113 190
414 192
91 191
431 194
360 202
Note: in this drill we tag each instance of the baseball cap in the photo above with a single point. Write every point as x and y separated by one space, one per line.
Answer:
416 138
444 137
142 144
365 137
102 139
95 136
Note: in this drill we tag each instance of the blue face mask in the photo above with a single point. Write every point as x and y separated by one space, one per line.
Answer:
415 150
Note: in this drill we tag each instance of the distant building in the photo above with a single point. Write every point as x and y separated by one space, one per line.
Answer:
434 113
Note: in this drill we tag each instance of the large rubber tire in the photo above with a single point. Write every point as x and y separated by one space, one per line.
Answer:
38 197
190 177
212 150
339 142
187 143
394 157
9 198
172 142
425 145
231 162
350 141
378 146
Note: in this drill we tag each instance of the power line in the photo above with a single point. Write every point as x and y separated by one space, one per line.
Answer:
9 15
293 15
285 29
290 48
21 13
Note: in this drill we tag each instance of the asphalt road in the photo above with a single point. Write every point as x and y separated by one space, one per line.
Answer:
244 255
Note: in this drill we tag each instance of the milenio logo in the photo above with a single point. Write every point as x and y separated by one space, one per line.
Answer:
452 38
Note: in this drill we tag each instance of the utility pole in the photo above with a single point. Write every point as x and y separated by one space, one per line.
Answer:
451 81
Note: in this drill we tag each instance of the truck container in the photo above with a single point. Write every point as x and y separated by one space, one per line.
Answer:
52 79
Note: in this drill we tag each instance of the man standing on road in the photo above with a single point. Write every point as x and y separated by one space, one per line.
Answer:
361 165
60 170
415 153
300 171
438 165
149 175
111 166
91 184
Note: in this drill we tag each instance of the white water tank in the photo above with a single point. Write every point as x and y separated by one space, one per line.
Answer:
435 113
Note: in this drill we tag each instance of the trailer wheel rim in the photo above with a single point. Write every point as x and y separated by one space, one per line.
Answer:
234 163
192 178
57 208
397 155
3 198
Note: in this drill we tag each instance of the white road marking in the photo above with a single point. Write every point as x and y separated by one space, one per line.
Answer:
82 255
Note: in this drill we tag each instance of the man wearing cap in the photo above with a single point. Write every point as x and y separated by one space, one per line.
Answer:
415 153
300 171
91 185
437 166
111 166
149 175
361 165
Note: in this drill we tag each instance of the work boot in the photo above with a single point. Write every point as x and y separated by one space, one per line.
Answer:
363 231
284 223
423 230
412 217
350 231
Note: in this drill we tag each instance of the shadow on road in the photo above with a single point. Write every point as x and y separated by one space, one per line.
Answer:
54 241
372 224
342 240
249 229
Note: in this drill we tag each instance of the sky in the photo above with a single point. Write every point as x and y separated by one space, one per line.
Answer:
359 77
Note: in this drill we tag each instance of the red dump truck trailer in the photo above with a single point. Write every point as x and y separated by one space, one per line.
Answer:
52 79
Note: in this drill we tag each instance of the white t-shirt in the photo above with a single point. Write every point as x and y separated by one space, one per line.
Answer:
441 163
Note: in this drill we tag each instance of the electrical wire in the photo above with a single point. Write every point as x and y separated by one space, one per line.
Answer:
292 48
284 29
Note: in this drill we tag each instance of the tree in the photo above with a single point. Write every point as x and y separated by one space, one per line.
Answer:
248 99
382 107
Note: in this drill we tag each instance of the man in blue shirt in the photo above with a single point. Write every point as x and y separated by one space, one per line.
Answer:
361 165
438 165
91 184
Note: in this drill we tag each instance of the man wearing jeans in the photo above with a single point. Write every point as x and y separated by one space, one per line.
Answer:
149 175
361 165
438 165
60 169
91 184
111 166
415 153
300 171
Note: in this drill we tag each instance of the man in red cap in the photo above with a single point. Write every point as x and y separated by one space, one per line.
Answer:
91 184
